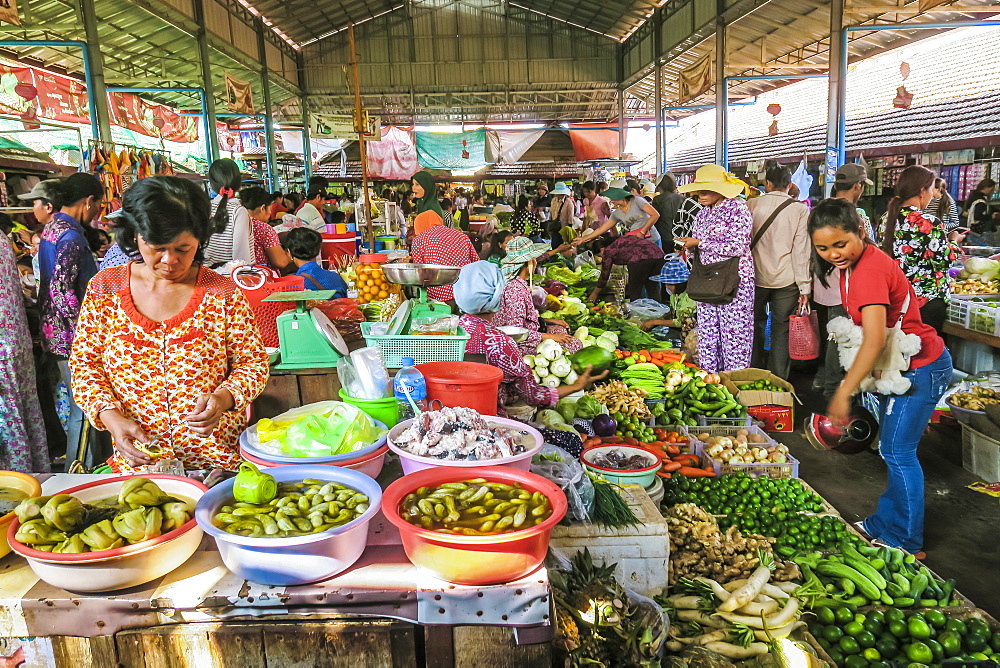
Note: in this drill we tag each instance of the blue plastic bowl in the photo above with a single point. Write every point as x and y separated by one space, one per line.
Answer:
299 559
291 459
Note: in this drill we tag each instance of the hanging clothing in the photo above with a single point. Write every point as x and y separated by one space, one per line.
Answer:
23 444
153 372
725 331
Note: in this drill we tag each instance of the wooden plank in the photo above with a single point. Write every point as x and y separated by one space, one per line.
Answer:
95 652
370 643
970 335
439 647
319 387
495 646
280 394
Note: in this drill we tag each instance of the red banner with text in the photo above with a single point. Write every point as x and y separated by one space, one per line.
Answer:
35 94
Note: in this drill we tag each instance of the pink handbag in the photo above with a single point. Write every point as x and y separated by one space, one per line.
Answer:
803 335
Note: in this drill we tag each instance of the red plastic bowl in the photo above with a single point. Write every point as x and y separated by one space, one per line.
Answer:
475 560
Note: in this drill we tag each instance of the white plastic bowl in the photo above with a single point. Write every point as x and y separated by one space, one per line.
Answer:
123 567
300 559
412 463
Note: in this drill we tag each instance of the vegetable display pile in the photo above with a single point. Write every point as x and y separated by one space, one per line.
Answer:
644 376
972 286
739 492
632 426
761 384
866 575
980 269
550 365
597 624
793 532
738 620
619 398
688 398
460 434
595 338
892 637
668 448
475 507
699 547
744 448
610 509
297 509
64 524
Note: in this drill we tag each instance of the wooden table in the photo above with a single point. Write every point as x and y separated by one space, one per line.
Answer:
383 611
971 351
971 335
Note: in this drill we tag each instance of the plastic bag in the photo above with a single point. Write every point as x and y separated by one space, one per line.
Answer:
435 324
371 372
316 430
569 475
647 309
586 257
340 309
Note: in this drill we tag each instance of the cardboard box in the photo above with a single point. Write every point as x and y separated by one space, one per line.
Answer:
773 408
775 418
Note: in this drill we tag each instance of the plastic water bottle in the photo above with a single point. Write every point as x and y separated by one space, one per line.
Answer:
409 379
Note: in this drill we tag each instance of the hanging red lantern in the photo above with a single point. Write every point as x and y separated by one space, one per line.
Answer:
774 109
646 126
26 91
158 123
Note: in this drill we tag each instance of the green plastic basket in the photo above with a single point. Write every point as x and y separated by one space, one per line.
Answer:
429 348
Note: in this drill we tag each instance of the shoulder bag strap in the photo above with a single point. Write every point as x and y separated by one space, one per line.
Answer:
314 281
770 219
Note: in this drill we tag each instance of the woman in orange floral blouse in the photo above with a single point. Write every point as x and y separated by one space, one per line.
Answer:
166 350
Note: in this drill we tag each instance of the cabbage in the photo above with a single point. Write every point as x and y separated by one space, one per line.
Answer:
550 418
982 269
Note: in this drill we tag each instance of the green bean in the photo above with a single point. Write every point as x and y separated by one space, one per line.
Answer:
227 518
226 509
504 522
486 527
440 510
313 481
356 499
426 507
239 512
520 516
286 524
270 526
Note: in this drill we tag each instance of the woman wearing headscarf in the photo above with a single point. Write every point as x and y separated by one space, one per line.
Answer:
721 231
425 203
518 308
479 293
561 213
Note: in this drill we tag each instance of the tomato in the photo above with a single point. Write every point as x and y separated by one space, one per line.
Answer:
936 618
919 629
951 643
844 615
849 645
832 633
826 616
919 652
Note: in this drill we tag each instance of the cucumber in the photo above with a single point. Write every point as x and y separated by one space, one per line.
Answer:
895 590
886 599
928 602
918 585
901 581
847 586
904 602
864 586
854 559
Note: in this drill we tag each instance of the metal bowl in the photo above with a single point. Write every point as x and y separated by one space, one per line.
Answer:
426 275
517 333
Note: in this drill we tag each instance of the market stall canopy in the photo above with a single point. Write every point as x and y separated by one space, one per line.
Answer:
15 155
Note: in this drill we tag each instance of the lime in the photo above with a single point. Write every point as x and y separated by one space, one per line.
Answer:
871 654
854 661
844 615
866 639
854 629
849 645
936 618
832 633
826 616
919 652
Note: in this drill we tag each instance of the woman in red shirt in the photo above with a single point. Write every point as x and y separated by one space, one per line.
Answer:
875 292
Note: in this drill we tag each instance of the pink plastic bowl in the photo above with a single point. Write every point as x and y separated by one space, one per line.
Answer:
475 560
370 464
413 463
122 567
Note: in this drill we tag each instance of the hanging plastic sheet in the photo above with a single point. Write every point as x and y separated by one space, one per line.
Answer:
394 157
451 150
507 146
803 179
591 144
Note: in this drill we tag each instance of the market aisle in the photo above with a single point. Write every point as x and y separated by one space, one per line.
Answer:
960 526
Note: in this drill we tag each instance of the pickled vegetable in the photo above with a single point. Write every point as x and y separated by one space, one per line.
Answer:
298 509
475 507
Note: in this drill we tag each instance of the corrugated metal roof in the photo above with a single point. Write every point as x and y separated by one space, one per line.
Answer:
931 127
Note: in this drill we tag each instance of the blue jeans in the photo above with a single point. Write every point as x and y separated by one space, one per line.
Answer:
899 519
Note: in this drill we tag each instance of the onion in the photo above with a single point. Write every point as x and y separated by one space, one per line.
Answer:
604 425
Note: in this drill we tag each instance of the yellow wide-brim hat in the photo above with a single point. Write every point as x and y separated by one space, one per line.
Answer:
716 179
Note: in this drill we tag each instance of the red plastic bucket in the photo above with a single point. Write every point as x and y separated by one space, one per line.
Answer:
465 384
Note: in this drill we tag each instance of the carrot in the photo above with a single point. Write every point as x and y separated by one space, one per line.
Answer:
688 460
672 449
628 440
692 472
592 441
612 439
664 474
672 466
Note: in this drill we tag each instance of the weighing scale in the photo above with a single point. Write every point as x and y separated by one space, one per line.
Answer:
421 276
307 338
